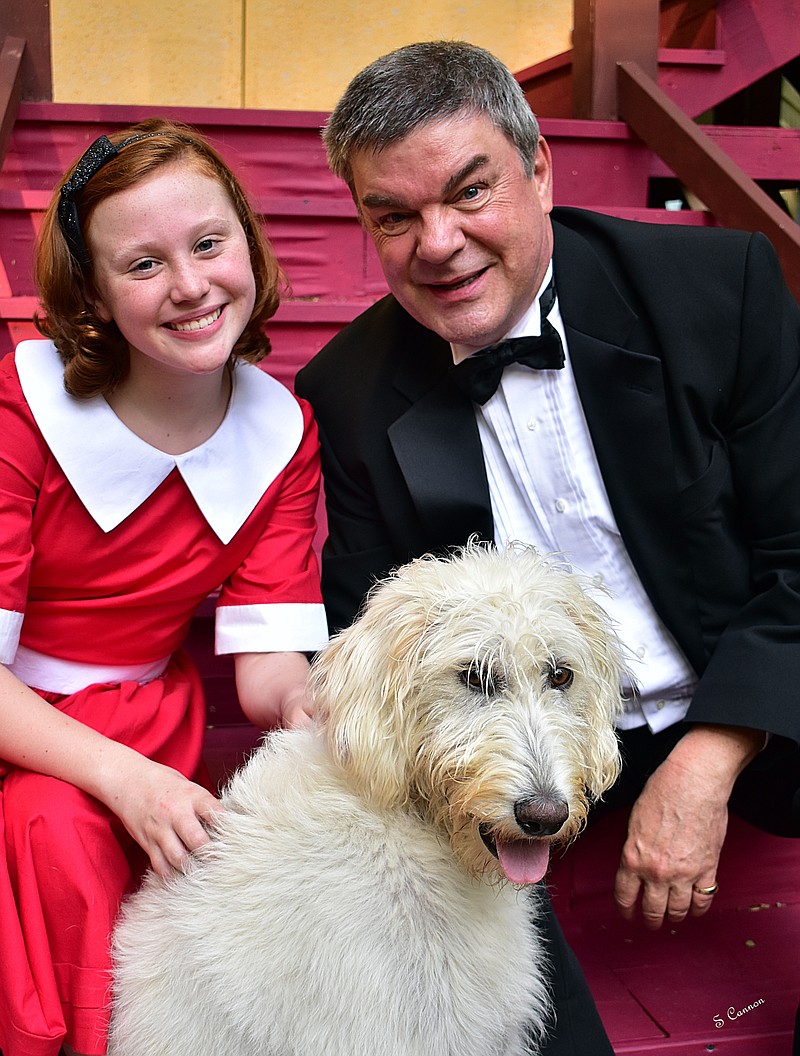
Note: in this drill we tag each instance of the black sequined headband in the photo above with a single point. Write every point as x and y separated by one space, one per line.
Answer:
98 155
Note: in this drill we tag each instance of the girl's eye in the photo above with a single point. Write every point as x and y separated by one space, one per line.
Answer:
143 266
206 244
560 677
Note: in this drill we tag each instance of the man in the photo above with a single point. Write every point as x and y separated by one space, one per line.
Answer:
657 451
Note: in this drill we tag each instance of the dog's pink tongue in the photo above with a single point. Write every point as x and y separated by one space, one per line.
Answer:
523 861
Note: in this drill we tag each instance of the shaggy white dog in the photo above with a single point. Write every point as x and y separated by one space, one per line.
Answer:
365 892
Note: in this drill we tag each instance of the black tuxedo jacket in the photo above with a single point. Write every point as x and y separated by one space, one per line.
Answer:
685 345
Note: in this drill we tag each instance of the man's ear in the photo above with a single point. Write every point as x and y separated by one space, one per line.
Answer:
543 174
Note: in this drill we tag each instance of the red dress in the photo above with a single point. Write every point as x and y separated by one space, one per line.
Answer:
106 549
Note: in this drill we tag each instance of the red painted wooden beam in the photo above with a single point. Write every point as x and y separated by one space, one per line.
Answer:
604 32
10 87
704 168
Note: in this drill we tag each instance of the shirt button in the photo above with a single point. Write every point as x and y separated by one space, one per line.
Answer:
660 704
640 652
532 424
561 505
598 579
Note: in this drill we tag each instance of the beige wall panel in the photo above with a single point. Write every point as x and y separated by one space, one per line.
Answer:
160 52
301 56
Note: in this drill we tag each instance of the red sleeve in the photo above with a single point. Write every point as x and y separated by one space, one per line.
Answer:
23 458
282 565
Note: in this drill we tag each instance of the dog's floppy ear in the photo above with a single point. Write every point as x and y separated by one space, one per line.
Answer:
362 686
606 669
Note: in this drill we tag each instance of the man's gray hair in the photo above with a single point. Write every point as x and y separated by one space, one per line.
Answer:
422 83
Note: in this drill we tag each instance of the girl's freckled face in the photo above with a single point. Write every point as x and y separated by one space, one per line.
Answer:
172 269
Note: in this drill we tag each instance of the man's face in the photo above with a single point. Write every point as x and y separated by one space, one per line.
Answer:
463 235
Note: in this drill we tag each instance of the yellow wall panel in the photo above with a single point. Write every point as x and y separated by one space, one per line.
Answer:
271 54
302 55
160 52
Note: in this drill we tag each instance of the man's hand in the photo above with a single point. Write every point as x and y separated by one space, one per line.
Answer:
678 825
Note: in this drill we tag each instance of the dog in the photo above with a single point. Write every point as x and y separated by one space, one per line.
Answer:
368 886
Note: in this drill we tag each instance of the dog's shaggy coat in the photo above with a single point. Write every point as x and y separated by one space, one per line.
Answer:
364 892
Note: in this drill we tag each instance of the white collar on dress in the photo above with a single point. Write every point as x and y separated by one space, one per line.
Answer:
113 471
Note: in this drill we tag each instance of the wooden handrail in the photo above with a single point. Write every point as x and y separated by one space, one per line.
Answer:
703 167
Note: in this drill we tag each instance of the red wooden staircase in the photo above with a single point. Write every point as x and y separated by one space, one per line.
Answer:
637 143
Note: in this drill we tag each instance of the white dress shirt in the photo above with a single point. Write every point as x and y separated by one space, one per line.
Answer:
546 490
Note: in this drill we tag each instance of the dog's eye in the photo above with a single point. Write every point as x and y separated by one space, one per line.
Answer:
560 677
480 680
471 678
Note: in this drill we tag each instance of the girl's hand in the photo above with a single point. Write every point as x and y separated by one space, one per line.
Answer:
163 811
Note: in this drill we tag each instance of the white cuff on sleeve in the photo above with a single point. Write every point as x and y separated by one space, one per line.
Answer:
281 628
10 628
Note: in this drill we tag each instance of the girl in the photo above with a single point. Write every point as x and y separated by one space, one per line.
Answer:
145 462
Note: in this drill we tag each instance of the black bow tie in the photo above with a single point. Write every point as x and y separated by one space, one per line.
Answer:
479 375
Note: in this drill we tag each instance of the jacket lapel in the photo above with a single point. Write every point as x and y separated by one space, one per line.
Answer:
437 447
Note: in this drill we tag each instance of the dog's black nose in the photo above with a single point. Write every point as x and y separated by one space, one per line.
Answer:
541 815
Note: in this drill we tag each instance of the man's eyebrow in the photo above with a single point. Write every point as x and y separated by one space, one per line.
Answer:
381 201
387 201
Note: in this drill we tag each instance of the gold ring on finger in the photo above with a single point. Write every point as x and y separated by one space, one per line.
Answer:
706 890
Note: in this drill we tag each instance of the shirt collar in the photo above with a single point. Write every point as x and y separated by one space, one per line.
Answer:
113 471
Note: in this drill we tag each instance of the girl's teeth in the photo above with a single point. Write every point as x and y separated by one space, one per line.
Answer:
197 324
